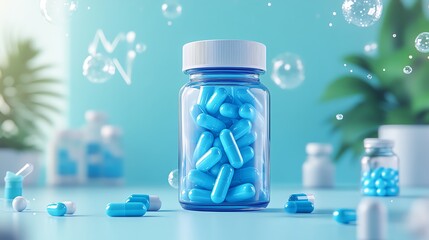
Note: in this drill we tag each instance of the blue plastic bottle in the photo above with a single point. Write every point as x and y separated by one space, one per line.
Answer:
224 131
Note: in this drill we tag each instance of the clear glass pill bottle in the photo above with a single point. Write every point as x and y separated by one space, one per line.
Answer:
380 168
224 127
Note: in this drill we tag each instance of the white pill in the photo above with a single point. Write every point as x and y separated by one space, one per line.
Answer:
155 203
371 220
71 207
19 204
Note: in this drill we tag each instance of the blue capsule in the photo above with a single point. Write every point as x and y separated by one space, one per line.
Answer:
392 191
240 193
153 200
388 174
246 96
380 183
375 174
246 140
218 143
195 111
302 197
203 145
144 200
381 192
368 182
344 215
247 111
200 179
247 153
231 149
209 159
211 123
241 128
203 97
369 191
200 196
245 175
129 209
299 207
223 181
56 209
216 100
229 110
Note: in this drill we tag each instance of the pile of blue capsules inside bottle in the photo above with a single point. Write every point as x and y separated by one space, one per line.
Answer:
224 131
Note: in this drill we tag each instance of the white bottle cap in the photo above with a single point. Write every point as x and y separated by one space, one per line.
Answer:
377 142
224 54
318 148
71 207
154 203
371 220
95 116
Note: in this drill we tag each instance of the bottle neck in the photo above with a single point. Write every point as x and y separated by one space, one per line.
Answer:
225 74
379 151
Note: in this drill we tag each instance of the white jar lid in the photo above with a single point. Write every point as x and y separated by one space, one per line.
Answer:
318 148
224 53
377 142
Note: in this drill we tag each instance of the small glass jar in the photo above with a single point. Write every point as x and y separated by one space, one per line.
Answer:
224 130
380 168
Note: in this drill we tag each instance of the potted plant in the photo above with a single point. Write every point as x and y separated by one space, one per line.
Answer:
29 102
388 93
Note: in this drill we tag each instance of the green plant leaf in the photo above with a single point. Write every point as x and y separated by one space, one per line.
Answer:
400 116
396 20
347 86
361 61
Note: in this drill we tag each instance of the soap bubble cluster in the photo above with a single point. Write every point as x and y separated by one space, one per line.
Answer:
408 69
339 116
57 11
98 68
173 179
362 13
422 42
171 10
287 71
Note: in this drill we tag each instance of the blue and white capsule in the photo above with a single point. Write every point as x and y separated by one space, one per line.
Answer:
57 209
302 197
129 209
299 207
153 200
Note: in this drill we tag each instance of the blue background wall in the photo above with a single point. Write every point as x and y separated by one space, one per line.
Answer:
148 108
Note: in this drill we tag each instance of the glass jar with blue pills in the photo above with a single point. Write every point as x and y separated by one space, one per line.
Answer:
380 168
224 127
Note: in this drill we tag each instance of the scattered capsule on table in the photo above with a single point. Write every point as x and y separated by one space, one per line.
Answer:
302 197
299 207
57 209
71 207
19 203
153 200
344 215
128 209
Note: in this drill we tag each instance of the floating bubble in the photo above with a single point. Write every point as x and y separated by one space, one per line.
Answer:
339 116
288 71
370 48
171 10
98 68
422 42
410 56
362 13
334 13
140 47
173 179
369 76
394 35
57 11
330 24
408 69
384 69
269 4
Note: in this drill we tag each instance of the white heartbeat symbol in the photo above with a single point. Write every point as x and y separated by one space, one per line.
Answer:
110 48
